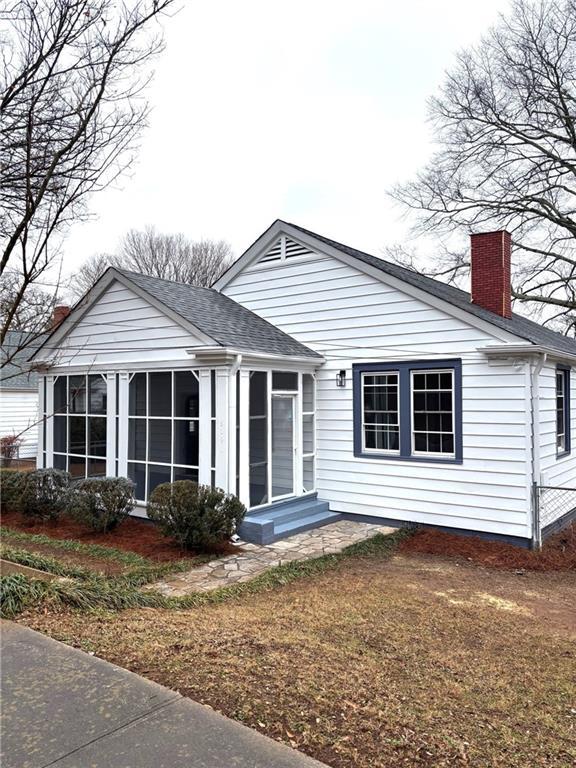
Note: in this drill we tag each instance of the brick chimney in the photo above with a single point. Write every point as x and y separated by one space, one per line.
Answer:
59 314
491 254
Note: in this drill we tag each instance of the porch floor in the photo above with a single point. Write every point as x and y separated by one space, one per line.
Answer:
254 559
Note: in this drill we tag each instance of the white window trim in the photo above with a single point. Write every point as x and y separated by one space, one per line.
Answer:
380 451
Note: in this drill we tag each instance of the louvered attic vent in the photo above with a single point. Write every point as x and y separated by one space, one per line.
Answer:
285 248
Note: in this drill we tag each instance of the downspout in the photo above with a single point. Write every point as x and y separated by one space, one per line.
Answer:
535 437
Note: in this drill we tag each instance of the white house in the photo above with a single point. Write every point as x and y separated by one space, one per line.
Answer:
19 393
317 381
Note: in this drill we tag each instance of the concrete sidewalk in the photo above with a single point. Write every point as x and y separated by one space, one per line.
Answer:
62 707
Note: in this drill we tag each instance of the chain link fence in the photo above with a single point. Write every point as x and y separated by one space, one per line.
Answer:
552 502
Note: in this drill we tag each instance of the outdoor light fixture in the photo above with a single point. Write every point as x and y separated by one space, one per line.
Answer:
341 379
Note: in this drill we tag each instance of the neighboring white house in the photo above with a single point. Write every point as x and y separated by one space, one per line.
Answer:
315 381
19 394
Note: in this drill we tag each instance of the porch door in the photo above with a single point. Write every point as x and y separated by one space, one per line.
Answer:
283 445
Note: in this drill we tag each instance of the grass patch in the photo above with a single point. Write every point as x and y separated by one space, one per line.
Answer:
90 592
66 545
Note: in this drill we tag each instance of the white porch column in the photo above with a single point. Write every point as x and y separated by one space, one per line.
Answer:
122 448
222 422
245 438
41 411
204 424
49 421
298 440
111 424
232 433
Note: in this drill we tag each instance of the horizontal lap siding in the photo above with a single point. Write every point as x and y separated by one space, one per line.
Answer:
352 317
555 471
121 326
19 416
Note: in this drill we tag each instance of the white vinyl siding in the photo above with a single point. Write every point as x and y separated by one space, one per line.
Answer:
122 327
19 416
556 470
349 317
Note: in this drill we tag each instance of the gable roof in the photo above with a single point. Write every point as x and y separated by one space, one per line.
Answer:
517 325
221 318
16 373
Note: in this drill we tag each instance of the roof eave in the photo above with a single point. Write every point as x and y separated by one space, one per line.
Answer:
526 350
225 355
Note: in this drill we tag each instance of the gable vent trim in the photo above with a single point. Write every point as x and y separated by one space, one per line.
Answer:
285 248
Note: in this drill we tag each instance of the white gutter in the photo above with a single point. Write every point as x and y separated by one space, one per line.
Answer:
517 350
535 369
199 352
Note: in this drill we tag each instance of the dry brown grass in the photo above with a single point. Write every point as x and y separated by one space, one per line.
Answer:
417 661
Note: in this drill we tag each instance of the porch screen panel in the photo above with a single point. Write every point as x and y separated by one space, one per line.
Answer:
163 427
79 443
258 438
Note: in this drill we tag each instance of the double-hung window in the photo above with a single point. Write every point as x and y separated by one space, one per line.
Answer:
562 410
408 410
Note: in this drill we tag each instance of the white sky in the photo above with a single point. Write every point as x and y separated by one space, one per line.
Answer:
306 111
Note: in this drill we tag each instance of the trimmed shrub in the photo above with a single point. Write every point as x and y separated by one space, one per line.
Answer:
44 493
101 502
196 516
11 488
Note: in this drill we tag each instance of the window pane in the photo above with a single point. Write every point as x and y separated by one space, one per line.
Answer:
137 473
432 412
77 394
97 436
258 485
97 394
258 393
77 466
283 380
160 403
59 462
96 468
159 440
186 442
258 440
185 473
137 399
137 439
60 398
307 392
186 398
77 435
156 476
60 433
308 434
381 416
308 473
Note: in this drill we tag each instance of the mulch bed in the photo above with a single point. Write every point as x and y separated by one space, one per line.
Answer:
557 554
133 535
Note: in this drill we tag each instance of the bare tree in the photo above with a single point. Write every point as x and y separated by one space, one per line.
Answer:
505 121
72 74
169 256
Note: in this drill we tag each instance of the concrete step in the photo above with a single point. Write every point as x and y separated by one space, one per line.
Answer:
287 518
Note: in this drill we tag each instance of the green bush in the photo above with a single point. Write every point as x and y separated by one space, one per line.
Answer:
196 516
11 487
44 493
101 502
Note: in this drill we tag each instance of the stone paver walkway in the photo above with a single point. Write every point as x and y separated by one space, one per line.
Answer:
254 559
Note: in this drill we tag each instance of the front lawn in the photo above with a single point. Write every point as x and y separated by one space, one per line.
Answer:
413 661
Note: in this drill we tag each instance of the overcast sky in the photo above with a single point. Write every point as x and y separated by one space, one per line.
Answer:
307 111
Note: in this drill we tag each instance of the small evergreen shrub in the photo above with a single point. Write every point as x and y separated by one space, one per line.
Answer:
196 516
11 487
101 502
44 493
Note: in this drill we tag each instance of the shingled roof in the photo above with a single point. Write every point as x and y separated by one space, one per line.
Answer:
17 349
220 317
517 325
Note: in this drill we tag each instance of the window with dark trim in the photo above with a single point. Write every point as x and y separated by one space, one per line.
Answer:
562 410
410 411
